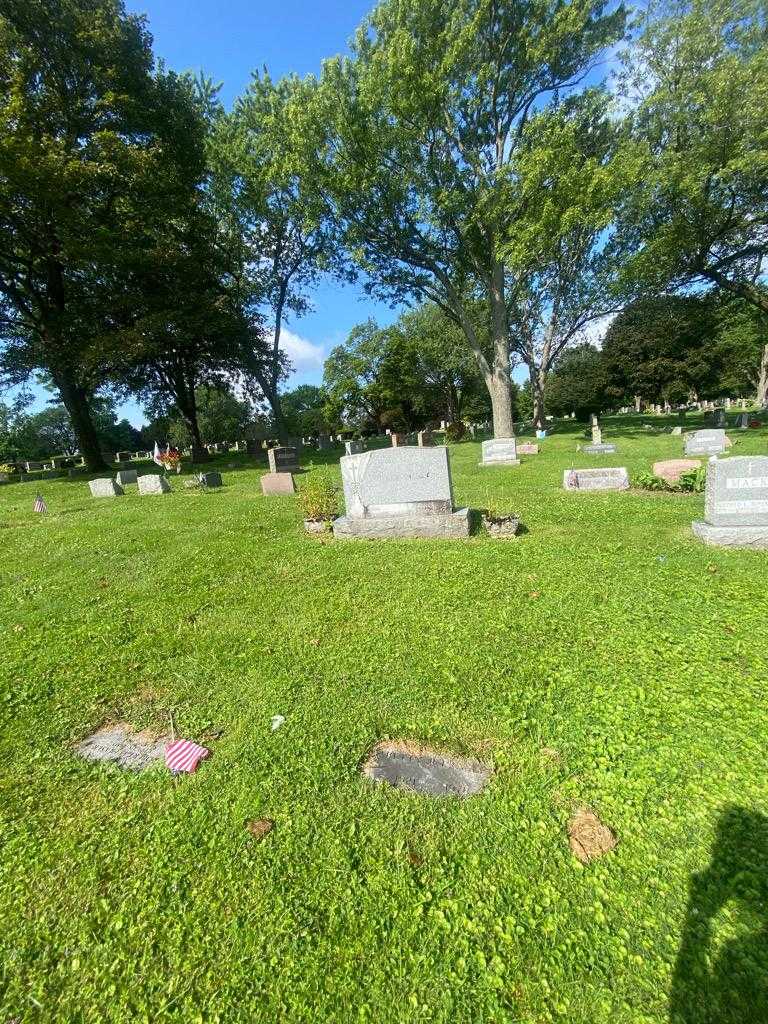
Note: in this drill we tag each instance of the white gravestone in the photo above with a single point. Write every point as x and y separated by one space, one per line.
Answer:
499 451
154 484
105 488
399 492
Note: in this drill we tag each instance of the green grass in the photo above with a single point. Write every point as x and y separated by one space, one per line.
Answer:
603 658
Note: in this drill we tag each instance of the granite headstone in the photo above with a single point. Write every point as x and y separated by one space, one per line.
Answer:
499 451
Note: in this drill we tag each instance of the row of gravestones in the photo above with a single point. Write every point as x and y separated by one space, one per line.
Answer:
152 483
407 492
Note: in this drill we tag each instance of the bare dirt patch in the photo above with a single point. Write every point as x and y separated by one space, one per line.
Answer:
588 837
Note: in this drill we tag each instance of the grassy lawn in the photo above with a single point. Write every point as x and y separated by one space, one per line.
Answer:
604 658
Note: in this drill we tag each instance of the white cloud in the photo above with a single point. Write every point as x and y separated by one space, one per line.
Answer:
305 356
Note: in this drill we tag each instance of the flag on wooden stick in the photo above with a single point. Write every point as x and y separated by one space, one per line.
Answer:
40 505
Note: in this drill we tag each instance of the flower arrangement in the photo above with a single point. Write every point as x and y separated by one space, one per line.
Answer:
7 468
171 460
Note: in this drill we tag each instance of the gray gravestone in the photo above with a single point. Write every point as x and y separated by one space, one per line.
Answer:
105 488
323 442
154 484
210 480
127 476
283 459
742 421
499 451
353 447
736 503
596 479
427 772
705 442
399 492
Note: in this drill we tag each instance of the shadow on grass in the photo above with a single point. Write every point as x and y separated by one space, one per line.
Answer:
721 976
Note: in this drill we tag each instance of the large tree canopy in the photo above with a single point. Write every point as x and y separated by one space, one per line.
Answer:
95 149
698 79
414 137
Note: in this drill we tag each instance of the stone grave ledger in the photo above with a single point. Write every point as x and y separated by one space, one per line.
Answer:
596 479
601 448
399 492
736 503
499 451
283 459
706 442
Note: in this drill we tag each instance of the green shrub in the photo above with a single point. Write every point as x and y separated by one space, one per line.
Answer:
455 432
694 480
650 482
318 498
7 467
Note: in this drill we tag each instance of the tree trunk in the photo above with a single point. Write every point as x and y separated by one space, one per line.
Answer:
75 401
500 385
762 384
538 379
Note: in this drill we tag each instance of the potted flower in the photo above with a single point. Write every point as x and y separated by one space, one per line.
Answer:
319 502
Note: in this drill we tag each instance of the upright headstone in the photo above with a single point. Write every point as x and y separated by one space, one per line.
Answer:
597 447
154 484
399 492
719 418
736 503
127 476
742 421
424 438
323 442
353 447
499 451
676 431
399 440
705 442
210 479
277 483
283 459
105 488
596 479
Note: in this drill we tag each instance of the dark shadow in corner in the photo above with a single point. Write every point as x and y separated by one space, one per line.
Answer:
726 983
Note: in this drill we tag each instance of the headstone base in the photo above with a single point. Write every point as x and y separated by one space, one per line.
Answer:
732 536
449 525
500 462
599 449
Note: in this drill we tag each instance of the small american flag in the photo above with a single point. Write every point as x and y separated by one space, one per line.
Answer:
184 756
40 505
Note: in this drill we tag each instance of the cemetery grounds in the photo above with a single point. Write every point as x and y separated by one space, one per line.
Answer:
602 659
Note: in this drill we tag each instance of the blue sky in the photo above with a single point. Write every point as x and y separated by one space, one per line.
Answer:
228 40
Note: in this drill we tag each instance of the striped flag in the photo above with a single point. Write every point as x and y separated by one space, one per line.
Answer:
157 456
40 505
573 479
184 756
